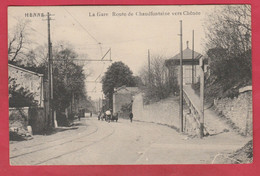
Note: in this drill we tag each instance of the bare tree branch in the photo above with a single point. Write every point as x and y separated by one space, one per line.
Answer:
18 41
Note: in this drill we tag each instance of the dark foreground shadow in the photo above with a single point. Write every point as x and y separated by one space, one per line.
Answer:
59 129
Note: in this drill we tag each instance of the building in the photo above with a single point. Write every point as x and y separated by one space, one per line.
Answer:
122 96
36 117
191 66
29 80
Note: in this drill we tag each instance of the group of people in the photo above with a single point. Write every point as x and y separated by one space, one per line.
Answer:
108 115
102 115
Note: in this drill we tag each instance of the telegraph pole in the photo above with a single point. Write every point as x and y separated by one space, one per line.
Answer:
99 104
192 56
181 81
102 109
50 74
149 67
201 98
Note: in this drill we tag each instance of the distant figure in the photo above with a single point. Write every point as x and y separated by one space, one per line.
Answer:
91 114
102 116
114 116
99 115
108 115
131 115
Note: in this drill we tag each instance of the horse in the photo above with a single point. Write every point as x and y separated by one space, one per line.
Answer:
114 117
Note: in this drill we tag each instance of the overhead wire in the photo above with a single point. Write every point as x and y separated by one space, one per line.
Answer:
85 29
34 30
82 26
97 43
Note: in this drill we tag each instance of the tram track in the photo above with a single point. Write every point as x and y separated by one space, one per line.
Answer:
50 141
78 141
52 146
77 149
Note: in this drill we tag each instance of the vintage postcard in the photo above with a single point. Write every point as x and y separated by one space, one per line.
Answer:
130 85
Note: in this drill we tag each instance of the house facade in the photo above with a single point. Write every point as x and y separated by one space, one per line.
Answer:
122 96
29 80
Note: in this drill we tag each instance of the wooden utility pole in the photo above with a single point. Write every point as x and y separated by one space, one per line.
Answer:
99 104
201 98
50 75
181 81
192 56
102 109
149 67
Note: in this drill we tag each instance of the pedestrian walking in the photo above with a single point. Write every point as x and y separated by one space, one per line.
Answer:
131 115
99 115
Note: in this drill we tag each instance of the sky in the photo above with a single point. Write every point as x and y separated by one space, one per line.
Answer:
93 30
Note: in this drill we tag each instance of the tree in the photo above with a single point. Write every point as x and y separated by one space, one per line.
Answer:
17 41
228 31
41 54
69 79
117 75
159 86
229 27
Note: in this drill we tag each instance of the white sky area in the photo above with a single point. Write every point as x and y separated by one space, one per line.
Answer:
129 37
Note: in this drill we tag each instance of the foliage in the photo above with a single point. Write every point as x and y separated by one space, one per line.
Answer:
117 75
160 85
125 108
69 79
42 69
229 51
18 96
229 27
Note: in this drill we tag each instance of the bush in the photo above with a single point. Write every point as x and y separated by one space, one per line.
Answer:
18 96
227 74
158 83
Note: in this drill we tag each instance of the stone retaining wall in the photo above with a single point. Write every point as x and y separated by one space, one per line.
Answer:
165 112
238 110
20 118
190 124
37 120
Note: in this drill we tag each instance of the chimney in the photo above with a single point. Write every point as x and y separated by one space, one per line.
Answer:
187 44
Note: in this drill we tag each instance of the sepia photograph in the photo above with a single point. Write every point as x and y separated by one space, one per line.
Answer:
130 85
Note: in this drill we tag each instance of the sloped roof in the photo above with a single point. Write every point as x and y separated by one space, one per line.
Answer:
187 58
25 70
187 54
125 89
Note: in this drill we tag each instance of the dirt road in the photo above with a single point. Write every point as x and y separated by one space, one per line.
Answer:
94 142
